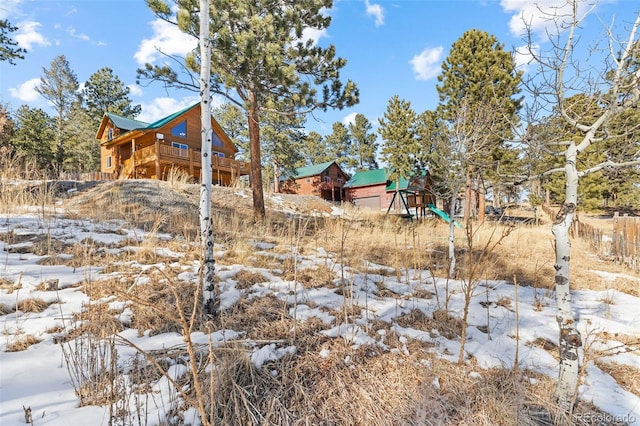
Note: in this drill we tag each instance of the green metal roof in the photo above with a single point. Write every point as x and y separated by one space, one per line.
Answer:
163 121
404 183
126 123
366 178
374 177
131 124
312 170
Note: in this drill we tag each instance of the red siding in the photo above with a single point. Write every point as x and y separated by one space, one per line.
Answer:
316 185
379 190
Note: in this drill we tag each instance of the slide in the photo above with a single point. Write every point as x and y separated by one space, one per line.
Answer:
443 215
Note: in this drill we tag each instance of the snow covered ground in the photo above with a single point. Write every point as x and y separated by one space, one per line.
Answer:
38 378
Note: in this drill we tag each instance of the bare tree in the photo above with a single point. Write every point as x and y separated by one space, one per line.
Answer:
459 145
614 88
206 230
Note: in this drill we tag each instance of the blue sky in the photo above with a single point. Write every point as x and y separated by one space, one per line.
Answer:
392 47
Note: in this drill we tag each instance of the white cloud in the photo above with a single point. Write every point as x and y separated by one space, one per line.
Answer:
168 39
165 106
8 8
313 34
73 33
28 35
523 56
162 107
135 89
26 92
537 16
376 11
427 63
349 119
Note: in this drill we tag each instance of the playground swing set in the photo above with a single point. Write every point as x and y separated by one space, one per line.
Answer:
416 197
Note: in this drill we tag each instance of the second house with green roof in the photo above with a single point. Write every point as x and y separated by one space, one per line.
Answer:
324 180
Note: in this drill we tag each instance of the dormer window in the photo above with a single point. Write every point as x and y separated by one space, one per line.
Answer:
109 134
180 129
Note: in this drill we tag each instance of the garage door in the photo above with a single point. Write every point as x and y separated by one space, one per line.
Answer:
368 202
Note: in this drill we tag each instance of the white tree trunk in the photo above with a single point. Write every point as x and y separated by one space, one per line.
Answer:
570 339
206 228
452 239
276 178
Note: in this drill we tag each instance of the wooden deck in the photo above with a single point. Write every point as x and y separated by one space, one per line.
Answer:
155 160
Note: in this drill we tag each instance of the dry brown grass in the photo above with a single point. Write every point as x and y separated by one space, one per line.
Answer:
628 377
346 385
33 305
5 310
96 320
263 318
446 325
21 343
321 276
246 279
22 184
7 285
108 287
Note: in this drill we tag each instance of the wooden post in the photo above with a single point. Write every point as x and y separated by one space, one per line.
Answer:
157 159
133 157
625 250
191 152
636 238
616 236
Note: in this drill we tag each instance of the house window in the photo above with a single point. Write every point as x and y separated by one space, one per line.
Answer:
182 149
109 134
327 179
216 139
340 180
180 129
109 162
219 154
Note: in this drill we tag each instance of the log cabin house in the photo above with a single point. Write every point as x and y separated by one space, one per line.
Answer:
134 149
324 180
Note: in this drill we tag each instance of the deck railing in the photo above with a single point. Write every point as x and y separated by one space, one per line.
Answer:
170 154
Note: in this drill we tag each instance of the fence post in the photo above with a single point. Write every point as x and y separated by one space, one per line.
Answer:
625 237
616 236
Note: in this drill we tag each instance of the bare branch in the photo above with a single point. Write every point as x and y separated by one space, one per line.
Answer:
608 165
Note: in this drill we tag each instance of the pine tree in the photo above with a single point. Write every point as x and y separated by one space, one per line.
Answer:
431 131
314 149
260 62
234 123
479 73
400 139
282 137
82 150
59 85
9 50
339 144
7 126
104 92
33 137
364 145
